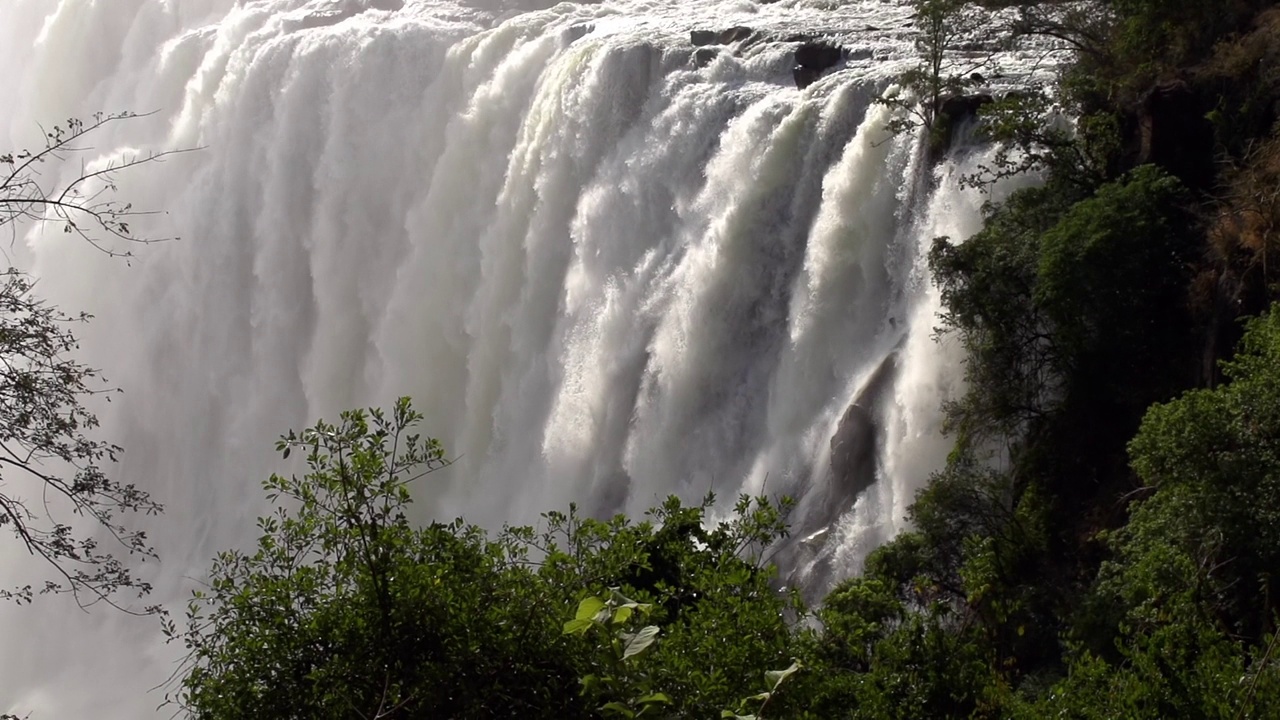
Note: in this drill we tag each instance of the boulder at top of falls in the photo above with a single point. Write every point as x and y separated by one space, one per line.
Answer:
818 55
701 38
953 112
813 58
959 108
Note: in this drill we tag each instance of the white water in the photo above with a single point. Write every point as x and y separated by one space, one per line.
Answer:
604 273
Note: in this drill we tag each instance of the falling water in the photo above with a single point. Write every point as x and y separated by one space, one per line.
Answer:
608 266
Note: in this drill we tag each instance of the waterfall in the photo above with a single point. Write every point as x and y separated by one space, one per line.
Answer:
607 265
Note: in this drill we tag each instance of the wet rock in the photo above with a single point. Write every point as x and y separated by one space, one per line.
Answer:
818 55
959 108
704 56
853 449
703 38
953 113
812 59
853 445
804 77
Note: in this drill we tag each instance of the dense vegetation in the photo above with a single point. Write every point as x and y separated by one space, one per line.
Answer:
1104 541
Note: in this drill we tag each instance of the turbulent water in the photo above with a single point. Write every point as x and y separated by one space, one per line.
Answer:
608 266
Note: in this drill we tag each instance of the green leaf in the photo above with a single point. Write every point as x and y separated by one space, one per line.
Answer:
617 708
576 627
637 642
589 608
655 698
774 678
621 615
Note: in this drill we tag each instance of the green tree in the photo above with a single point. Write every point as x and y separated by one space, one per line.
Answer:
347 608
1188 597
942 26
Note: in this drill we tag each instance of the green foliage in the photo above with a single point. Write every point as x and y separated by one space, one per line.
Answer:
346 608
1212 458
1071 311
941 27
720 620
43 423
1021 590
1066 307
773 679
619 679
1157 35
84 206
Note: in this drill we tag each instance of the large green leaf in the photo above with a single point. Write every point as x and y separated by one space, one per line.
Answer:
589 608
635 643
774 678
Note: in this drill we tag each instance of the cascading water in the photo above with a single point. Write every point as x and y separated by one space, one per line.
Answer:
608 266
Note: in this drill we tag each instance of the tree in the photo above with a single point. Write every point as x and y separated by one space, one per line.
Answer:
85 205
46 447
942 26
1185 618
348 609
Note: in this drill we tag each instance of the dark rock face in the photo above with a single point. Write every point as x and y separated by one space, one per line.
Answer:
813 58
1174 133
853 465
953 113
853 446
959 108
818 55
853 449
804 76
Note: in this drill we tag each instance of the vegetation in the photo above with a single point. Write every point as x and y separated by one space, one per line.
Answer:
346 609
1102 542
46 444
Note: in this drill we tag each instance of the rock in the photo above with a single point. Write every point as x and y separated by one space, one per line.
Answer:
702 38
853 448
804 77
953 113
704 56
818 55
853 445
813 58
958 108
1174 133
